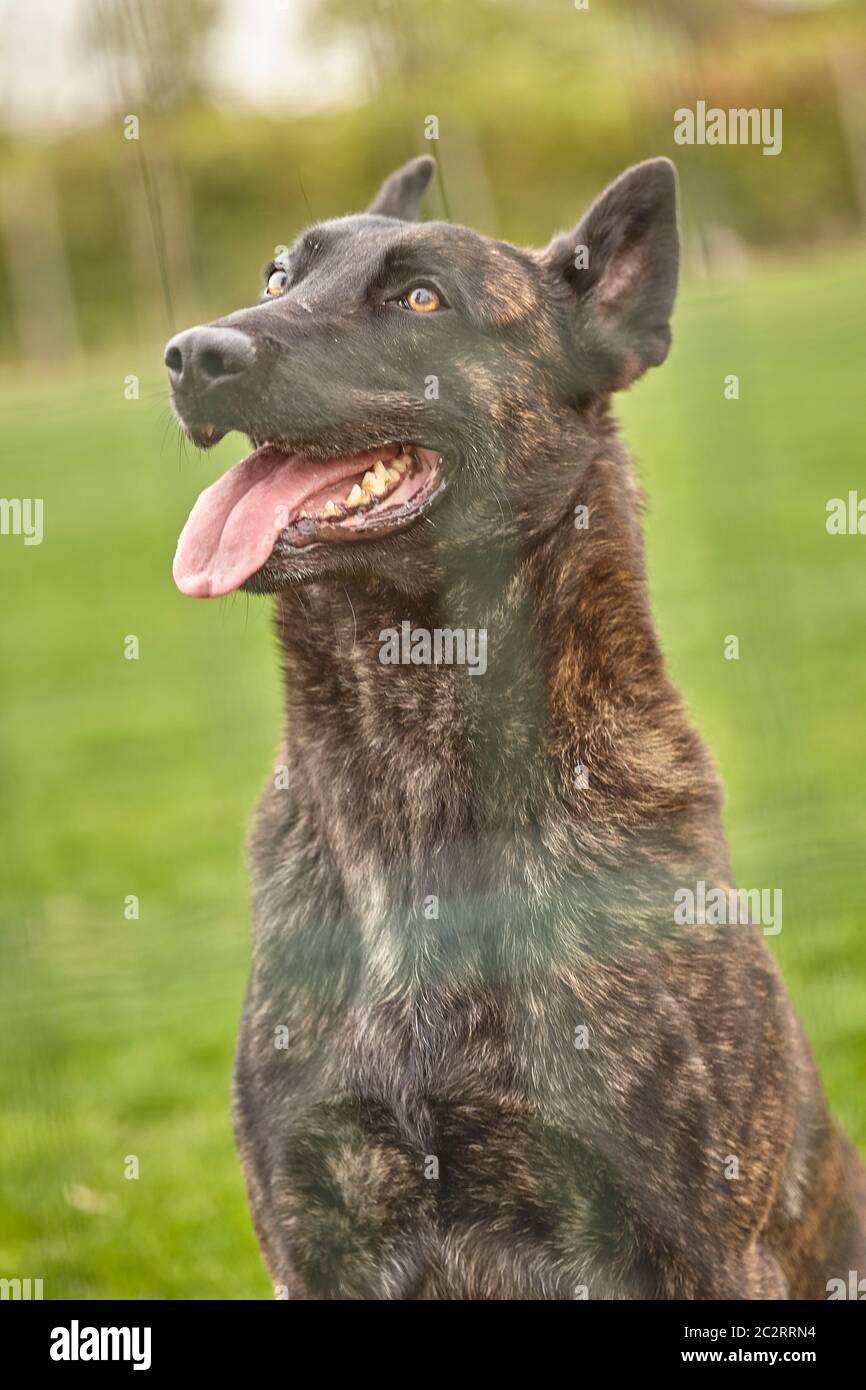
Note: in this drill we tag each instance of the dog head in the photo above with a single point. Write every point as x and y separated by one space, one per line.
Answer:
417 391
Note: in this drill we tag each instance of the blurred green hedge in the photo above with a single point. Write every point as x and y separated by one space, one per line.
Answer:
537 107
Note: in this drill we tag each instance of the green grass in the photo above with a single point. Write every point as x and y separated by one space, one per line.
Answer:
137 777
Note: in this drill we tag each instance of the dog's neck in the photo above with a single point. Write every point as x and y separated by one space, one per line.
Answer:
569 759
573 668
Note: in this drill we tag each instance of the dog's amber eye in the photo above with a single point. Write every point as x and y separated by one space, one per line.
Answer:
422 299
277 281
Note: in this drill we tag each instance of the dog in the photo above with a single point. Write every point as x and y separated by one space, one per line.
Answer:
480 1057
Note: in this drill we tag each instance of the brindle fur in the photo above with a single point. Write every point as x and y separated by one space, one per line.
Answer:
562 1171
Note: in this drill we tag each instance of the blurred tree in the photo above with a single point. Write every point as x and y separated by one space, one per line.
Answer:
155 52
154 48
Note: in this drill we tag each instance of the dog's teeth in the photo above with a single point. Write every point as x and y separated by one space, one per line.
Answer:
303 516
356 497
402 462
380 471
373 484
393 475
329 509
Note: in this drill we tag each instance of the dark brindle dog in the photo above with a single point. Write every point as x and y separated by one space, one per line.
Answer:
479 1058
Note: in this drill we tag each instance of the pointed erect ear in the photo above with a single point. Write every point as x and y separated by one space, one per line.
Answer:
401 194
618 271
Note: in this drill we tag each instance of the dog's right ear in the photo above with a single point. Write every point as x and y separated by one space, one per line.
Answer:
618 273
400 195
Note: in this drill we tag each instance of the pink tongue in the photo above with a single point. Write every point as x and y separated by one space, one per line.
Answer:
232 527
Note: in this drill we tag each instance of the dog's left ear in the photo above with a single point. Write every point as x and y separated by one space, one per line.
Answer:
619 270
401 194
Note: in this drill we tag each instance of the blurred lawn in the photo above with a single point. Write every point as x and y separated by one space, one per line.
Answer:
126 777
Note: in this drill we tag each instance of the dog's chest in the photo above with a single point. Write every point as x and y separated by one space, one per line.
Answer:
442 1129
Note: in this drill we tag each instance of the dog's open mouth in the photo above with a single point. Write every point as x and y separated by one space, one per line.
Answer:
234 525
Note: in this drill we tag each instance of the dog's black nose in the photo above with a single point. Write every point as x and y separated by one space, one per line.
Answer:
201 357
